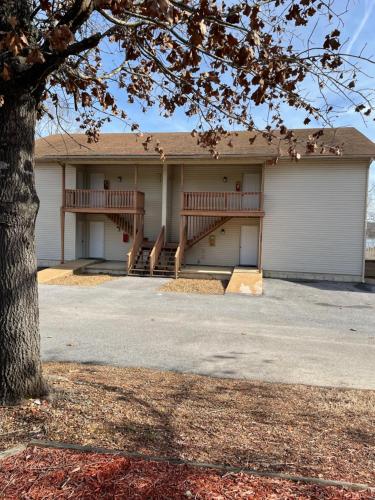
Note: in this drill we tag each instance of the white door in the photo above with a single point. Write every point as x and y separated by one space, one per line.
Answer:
249 246
79 240
96 247
251 184
97 182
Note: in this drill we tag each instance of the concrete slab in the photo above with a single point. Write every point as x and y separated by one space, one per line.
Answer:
206 272
117 267
247 281
61 270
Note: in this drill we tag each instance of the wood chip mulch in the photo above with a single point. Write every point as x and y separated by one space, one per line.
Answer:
295 429
182 285
82 280
41 474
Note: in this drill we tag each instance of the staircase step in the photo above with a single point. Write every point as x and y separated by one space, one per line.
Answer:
163 273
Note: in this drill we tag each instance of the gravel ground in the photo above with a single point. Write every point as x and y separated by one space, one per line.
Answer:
300 430
210 287
82 280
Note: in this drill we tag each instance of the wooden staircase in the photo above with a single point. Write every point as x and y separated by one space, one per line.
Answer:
194 229
200 227
164 266
141 265
123 222
166 262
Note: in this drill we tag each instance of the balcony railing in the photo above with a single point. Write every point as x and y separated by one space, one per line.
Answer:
105 199
236 201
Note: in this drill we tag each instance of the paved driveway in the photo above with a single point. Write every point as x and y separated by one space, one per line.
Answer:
311 333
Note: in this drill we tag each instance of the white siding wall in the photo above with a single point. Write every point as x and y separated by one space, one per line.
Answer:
49 184
226 251
314 220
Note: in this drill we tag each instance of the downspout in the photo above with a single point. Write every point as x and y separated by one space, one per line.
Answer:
164 206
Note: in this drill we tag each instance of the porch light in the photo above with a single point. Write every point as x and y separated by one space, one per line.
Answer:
225 179
119 178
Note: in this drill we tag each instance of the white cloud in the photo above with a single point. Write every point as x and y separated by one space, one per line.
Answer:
369 8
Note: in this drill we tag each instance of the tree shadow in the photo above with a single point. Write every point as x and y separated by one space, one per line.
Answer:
335 285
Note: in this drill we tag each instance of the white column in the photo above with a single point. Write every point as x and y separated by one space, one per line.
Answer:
164 193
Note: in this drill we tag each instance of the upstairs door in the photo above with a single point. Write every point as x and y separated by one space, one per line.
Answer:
249 246
97 182
96 246
251 184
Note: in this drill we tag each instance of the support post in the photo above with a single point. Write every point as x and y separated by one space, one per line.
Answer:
63 185
164 206
260 245
136 178
62 237
135 227
62 212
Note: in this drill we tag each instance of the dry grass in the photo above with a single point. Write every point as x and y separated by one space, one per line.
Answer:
290 428
181 285
82 280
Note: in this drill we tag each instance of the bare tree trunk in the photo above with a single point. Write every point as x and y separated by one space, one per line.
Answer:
20 366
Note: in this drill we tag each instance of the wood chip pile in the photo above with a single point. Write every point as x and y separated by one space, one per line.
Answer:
43 474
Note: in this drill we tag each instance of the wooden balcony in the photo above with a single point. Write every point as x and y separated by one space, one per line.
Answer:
103 201
222 204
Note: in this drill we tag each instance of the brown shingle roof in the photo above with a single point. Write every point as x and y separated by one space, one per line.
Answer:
182 144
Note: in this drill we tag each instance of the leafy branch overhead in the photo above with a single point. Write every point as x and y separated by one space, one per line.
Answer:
217 61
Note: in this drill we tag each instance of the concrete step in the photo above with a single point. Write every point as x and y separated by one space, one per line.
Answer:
247 281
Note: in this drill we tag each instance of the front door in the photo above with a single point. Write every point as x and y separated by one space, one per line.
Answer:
249 246
96 247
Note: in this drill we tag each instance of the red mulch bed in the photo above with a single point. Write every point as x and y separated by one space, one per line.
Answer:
39 473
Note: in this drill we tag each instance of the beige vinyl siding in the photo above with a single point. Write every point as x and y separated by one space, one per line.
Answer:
314 217
122 177
48 181
205 178
150 182
226 251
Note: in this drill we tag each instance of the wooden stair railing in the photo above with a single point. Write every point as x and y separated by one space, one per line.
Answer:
124 222
200 227
180 252
137 243
155 252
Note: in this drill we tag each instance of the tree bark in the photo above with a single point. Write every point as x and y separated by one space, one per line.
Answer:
20 365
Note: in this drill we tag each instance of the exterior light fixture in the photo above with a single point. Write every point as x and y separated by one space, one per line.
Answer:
225 179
